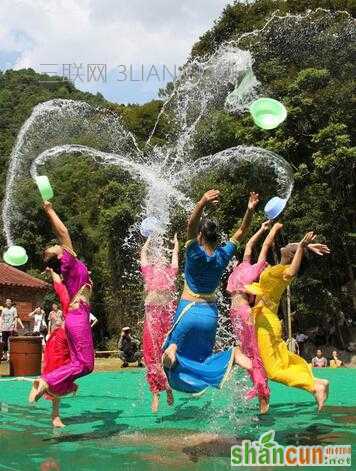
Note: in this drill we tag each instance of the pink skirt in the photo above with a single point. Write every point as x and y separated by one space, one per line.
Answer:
157 324
244 330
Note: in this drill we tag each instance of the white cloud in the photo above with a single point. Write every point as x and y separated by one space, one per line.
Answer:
111 32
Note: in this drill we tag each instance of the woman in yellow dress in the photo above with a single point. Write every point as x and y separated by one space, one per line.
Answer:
280 364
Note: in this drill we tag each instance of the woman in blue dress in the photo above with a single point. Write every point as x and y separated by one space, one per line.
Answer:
188 359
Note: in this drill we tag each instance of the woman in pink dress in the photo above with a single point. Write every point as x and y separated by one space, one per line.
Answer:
243 275
77 281
159 280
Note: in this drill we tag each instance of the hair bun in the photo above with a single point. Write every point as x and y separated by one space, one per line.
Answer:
209 229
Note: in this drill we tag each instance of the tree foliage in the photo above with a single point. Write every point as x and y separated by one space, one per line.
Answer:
100 203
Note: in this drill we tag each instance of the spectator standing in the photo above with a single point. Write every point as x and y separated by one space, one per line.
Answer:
55 318
9 320
39 321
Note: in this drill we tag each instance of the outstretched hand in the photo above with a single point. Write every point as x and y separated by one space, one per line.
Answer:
319 249
308 238
266 225
211 196
47 206
253 200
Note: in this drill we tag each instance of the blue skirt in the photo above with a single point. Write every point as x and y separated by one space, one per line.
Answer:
194 332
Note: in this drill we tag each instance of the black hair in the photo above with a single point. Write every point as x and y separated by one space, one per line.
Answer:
209 229
54 264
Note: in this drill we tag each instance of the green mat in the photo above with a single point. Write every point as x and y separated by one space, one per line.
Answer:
110 426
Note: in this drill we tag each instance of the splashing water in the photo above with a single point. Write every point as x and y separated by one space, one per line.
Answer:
223 81
59 128
58 122
55 129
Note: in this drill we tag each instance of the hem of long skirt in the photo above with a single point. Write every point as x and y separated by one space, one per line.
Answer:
229 369
200 393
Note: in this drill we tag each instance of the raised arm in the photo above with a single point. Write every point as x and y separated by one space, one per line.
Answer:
175 253
144 253
269 240
58 227
31 314
294 267
17 321
254 239
211 196
241 231
55 277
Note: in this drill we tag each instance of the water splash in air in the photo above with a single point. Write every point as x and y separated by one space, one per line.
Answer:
227 81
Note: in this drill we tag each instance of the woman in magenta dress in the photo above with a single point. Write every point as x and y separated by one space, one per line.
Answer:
76 279
160 304
243 275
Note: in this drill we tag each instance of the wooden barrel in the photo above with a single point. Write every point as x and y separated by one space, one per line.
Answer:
25 356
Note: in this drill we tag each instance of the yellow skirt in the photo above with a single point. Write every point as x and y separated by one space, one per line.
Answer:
280 364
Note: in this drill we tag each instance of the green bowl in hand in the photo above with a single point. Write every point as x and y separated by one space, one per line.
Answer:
45 187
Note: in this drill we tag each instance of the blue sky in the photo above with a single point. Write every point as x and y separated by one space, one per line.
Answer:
125 50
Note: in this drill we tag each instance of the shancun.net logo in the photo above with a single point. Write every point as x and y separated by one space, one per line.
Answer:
267 452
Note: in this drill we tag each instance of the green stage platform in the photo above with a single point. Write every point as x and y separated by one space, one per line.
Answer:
110 426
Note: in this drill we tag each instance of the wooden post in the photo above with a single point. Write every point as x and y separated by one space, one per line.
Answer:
289 313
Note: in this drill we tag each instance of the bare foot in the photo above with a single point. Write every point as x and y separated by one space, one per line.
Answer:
169 356
264 405
170 397
56 421
321 392
39 387
33 392
241 359
155 402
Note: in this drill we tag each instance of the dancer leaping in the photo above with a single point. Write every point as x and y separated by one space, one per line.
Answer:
280 364
160 305
243 326
189 361
76 279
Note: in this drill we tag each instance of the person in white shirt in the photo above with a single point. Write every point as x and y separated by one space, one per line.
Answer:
55 318
8 323
39 322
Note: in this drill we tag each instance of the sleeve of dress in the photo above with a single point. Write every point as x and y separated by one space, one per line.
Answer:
146 271
63 296
193 250
68 261
229 249
259 267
